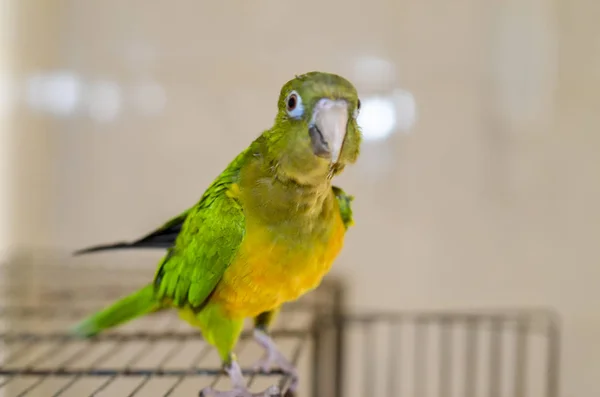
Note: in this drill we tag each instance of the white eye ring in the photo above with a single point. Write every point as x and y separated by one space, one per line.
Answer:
293 105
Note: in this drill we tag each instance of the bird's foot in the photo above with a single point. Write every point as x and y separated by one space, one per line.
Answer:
239 386
273 357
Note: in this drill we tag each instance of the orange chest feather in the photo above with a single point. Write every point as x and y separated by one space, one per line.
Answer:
268 272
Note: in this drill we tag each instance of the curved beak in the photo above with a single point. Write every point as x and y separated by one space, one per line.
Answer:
328 128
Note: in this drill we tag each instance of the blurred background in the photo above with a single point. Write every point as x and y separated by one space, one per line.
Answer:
479 182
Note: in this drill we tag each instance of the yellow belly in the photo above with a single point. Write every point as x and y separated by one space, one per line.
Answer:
267 273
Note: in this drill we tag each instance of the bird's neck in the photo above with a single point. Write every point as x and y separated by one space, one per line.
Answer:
272 197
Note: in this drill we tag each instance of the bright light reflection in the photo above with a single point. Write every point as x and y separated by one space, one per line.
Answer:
381 116
377 118
58 93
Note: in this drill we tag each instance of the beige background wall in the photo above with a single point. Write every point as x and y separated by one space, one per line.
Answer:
490 200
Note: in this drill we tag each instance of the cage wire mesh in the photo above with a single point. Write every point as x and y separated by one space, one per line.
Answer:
450 354
156 355
509 353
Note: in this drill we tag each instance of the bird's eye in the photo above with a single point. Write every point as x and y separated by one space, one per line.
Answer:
293 105
358 105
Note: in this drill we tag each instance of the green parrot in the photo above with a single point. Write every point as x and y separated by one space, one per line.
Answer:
265 232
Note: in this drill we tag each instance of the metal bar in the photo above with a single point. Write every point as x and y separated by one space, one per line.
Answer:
553 359
369 360
129 373
7 381
317 367
138 356
40 359
521 353
168 335
420 358
95 363
176 349
31 387
57 311
203 353
27 346
445 365
495 372
394 352
536 315
340 340
78 354
471 354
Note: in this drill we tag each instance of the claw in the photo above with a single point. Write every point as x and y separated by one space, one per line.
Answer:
273 356
239 386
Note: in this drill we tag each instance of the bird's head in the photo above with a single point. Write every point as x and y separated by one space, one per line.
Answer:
315 132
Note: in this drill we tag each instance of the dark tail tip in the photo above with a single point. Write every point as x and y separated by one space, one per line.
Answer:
99 248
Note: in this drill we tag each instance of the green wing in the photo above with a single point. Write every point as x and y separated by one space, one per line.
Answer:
209 239
344 201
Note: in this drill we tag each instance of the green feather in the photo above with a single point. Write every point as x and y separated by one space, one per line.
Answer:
345 204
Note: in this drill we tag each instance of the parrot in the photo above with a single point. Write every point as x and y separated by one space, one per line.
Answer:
265 232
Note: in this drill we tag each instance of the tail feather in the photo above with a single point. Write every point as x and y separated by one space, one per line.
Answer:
132 306
125 245
163 237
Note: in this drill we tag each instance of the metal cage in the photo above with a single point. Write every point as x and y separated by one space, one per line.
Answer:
508 353
447 354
